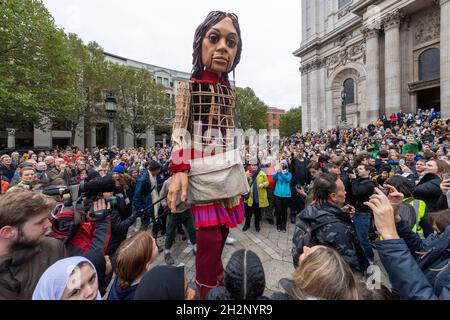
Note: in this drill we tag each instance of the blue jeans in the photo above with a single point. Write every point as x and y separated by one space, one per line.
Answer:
362 225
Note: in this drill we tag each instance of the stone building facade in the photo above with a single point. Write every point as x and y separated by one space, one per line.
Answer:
389 55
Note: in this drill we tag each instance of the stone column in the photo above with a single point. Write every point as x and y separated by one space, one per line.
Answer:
110 133
93 136
392 62
304 90
445 58
11 137
150 141
373 74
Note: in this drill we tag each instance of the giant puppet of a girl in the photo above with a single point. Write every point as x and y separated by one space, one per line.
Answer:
204 105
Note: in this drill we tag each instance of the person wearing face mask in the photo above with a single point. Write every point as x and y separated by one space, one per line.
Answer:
334 227
282 194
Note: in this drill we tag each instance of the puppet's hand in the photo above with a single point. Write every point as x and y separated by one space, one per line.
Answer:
179 185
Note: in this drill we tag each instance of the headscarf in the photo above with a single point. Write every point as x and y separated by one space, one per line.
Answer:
162 283
52 283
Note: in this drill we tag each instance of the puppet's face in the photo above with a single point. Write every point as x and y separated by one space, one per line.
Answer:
220 47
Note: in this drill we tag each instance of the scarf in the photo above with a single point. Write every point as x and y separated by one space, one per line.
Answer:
255 186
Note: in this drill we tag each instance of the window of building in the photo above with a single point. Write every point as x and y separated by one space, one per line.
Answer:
343 3
349 86
159 80
166 82
429 64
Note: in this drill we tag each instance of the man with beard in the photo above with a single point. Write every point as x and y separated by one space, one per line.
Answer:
25 251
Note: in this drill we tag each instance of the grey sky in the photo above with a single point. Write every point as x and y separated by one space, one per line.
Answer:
161 33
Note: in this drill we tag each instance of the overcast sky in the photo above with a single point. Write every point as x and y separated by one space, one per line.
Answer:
160 32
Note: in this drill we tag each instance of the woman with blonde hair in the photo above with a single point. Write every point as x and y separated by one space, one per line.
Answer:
322 275
132 260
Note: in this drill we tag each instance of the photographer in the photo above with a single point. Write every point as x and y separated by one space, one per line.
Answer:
283 178
334 228
424 278
60 171
362 188
25 251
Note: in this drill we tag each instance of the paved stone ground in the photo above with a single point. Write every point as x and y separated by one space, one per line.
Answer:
272 247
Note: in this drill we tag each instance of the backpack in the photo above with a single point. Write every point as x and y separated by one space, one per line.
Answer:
303 235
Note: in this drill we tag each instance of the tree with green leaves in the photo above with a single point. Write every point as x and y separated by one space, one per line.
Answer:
37 69
252 112
93 80
142 103
291 122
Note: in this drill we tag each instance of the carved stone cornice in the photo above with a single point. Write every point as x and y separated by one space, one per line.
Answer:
369 33
393 19
353 53
315 64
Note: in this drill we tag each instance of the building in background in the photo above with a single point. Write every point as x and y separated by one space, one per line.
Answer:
98 136
274 118
389 55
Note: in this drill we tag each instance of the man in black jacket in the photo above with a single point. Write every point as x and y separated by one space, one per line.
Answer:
336 228
300 177
362 189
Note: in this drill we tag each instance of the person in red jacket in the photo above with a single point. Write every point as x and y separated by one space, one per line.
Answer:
208 103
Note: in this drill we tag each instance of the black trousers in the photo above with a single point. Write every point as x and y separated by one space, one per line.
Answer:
281 207
297 202
253 210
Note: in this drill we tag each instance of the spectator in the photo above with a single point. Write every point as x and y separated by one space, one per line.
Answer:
164 283
133 258
300 177
258 196
244 278
25 251
60 171
50 162
7 169
282 194
322 275
27 178
72 278
182 216
428 189
405 275
334 226
362 188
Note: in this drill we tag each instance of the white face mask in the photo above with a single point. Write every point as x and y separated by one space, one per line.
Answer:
285 171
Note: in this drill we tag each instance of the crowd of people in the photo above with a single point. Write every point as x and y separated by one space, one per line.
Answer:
350 195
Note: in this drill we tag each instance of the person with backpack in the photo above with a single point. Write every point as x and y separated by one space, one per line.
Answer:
324 223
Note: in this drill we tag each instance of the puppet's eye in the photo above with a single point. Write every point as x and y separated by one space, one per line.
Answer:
213 38
231 43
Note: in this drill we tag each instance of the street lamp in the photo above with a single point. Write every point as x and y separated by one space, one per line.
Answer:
111 110
344 106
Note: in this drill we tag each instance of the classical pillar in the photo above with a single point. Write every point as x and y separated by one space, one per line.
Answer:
11 138
373 74
445 58
93 136
150 141
110 133
392 62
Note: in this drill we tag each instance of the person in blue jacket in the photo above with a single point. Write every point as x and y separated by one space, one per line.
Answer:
282 194
407 278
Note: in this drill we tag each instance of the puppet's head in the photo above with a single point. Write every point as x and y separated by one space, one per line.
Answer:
217 44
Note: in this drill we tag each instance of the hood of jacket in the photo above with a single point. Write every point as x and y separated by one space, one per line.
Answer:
321 214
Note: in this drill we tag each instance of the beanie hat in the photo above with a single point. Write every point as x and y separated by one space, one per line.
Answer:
119 169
